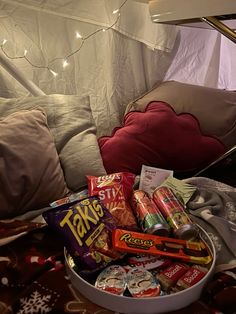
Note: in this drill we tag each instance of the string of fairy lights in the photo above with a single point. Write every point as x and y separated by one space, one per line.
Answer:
65 60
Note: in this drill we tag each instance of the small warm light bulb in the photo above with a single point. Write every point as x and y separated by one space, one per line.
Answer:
115 11
4 41
25 52
103 29
78 35
65 63
53 73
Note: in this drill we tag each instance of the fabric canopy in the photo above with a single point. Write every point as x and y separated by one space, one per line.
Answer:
112 67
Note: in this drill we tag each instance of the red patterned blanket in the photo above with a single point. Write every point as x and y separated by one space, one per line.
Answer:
34 280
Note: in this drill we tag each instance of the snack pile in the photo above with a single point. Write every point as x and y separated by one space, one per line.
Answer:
133 241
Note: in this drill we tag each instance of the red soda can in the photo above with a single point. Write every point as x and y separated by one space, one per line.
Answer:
174 212
149 217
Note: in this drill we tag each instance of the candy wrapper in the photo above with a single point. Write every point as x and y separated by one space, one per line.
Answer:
86 228
112 279
169 276
147 262
142 284
114 190
191 277
143 243
73 197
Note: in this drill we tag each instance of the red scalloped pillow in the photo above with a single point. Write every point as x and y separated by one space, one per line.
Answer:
158 137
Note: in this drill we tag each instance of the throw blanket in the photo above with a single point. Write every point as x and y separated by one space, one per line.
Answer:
33 277
213 207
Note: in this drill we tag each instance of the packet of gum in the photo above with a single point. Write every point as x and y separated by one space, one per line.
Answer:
181 189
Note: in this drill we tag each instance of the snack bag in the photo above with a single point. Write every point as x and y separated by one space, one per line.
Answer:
114 190
86 228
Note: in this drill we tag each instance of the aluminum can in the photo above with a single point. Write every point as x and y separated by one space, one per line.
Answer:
174 213
150 219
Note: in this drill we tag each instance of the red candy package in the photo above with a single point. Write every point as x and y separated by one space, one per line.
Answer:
191 277
114 191
169 276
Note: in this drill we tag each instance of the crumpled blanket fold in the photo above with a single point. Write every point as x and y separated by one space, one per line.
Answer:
213 207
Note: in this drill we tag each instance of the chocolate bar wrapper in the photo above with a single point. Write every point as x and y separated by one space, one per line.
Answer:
195 252
169 276
191 277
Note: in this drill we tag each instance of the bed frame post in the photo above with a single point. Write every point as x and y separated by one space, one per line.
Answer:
19 76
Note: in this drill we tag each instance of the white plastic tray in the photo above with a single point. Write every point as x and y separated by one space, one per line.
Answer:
129 305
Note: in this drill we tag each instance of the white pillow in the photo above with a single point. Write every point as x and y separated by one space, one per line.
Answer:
71 122
30 172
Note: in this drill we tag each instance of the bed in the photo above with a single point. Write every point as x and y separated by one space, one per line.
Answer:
56 158
163 109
